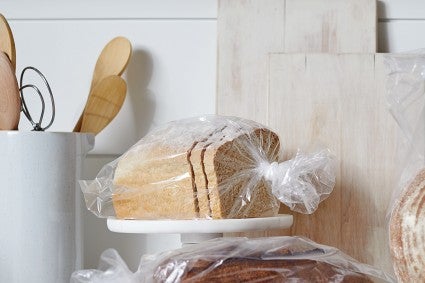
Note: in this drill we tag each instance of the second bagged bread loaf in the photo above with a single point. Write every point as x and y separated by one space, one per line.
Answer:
271 259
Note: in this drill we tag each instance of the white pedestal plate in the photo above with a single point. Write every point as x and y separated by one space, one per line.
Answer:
196 231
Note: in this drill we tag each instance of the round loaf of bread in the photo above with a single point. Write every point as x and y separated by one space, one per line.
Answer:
407 232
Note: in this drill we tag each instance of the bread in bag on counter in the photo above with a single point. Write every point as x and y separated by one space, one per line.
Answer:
197 170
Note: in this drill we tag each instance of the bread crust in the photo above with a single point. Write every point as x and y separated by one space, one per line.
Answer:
407 232
285 259
279 271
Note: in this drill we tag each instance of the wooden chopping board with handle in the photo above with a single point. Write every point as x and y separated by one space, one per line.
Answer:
250 29
338 100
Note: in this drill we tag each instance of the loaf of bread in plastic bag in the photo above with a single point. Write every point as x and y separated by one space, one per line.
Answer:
209 174
275 259
209 167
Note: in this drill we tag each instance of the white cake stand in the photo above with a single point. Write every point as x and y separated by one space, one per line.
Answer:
196 231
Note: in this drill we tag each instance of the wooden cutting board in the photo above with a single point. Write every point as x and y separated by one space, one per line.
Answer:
250 29
339 100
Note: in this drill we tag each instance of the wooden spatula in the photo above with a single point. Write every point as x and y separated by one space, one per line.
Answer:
10 101
103 104
7 43
113 60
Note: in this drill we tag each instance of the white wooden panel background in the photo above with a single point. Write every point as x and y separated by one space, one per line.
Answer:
400 28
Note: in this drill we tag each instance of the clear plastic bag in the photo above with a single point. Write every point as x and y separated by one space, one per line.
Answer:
209 167
111 269
406 214
275 259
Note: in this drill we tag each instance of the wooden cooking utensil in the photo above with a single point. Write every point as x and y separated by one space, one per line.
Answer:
103 104
113 60
10 101
7 43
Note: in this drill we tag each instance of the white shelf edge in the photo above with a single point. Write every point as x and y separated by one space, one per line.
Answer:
281 221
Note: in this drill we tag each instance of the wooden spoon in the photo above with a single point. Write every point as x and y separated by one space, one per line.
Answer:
103 104
10 101
113 60
7 43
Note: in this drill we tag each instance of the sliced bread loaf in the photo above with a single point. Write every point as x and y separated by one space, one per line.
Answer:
209 173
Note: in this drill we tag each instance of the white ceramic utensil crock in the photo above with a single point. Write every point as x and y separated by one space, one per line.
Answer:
40 222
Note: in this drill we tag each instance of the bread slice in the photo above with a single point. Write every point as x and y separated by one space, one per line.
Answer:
407 232
235 189
200 182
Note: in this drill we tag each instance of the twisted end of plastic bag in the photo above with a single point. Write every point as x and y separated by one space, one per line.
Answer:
302 182
98 192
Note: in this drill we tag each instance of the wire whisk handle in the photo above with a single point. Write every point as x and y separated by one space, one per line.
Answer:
37 126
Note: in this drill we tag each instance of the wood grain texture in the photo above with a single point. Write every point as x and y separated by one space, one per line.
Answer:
250 29
10 101
342 26
113 60
103 104
7 43
339 101
247 31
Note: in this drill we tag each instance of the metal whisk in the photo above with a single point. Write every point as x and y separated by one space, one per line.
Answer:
37 125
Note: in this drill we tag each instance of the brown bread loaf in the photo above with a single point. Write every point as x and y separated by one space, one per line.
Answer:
275 259
201 177
258 270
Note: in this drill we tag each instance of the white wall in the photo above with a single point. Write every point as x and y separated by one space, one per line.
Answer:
178 39
171 75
